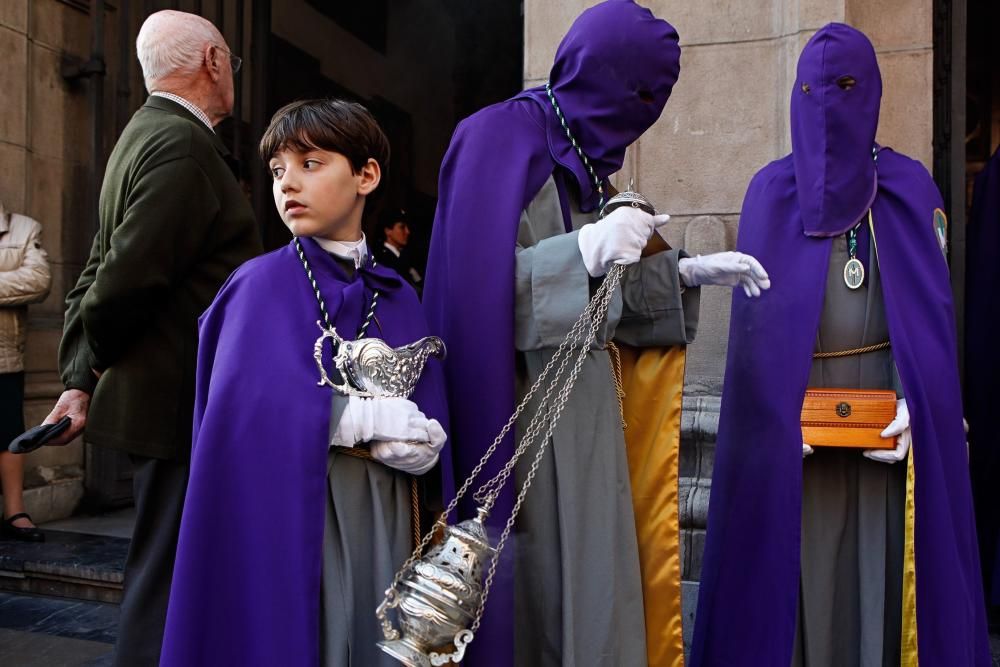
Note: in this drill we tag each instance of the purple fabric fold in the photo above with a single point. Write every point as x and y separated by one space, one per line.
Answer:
750 574
246 584
612 76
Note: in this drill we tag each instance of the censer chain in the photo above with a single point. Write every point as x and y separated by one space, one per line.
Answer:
592 315
554 412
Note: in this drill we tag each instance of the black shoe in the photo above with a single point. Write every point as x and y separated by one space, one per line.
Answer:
32 534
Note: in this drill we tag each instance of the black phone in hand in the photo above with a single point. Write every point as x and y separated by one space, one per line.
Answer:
37 436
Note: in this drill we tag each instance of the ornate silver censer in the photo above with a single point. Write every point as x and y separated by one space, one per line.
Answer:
438 598
370 368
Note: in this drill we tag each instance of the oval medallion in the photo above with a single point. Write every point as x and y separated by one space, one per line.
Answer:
854 273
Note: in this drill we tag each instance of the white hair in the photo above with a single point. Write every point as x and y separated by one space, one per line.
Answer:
172 42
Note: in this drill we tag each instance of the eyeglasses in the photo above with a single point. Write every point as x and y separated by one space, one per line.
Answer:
234 61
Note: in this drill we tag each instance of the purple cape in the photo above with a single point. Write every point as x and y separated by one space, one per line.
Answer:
982 365
612 76
750 574
246 585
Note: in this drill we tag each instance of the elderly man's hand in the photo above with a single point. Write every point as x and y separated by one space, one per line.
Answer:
74 404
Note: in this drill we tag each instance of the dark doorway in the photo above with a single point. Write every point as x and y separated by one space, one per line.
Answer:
420 66
982 362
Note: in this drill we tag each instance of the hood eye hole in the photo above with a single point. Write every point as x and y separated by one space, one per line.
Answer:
646 96
846 82
806 88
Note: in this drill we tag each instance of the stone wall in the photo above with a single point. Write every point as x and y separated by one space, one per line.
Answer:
727 118
44 158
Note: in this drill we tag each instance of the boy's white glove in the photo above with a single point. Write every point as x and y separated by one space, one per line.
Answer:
367 419
724 268
415 458
617 238
899 429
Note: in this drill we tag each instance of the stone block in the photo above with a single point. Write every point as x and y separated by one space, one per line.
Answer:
14 84
689 608
13 167
717 130
57 458
545 24
699 22
811 15
907 116
53 501
51 181
42 348
894 24
707 355
694 550
59 121
60 27
14 14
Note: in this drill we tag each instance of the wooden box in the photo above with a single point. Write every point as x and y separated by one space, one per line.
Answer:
848 418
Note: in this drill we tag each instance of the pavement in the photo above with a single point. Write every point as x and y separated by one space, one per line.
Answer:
58 599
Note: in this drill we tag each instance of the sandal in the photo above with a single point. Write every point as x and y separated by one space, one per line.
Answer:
30 534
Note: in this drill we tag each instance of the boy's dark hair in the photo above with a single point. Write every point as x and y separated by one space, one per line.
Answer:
332 125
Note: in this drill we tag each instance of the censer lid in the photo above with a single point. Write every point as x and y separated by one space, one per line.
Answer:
628 197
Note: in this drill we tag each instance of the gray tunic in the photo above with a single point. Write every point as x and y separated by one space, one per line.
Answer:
578 593
367 536
852 507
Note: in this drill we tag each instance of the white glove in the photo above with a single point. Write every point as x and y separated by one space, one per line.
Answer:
367 419
899 429
617 239
414 458
724 268
807 450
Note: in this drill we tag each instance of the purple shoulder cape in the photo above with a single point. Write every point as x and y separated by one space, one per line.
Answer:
246 585
497 162
750 575
982 366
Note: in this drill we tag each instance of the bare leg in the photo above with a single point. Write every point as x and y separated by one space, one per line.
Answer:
12 482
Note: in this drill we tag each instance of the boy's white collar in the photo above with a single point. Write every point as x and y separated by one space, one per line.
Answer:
354 250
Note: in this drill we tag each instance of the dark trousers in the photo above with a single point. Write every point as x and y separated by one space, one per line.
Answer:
159 486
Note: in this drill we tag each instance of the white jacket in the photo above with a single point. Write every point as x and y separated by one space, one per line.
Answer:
24 279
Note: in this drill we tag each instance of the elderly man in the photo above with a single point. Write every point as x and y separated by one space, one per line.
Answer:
174 224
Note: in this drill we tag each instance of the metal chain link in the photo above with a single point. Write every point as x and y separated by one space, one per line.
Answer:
584 331
593 315
603 301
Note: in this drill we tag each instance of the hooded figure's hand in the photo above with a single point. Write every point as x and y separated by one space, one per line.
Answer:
899 429
728 269
617 239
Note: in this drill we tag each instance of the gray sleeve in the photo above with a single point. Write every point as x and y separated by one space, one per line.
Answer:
658 310
552 288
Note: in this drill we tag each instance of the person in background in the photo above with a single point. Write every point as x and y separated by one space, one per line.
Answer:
392 252
174 223
24 278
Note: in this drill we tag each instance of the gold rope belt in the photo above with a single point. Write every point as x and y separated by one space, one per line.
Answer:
616 373
850 353
365 455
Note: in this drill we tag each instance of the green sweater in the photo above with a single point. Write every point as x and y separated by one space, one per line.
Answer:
174 224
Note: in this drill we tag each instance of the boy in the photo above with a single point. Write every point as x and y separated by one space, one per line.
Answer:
261 577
